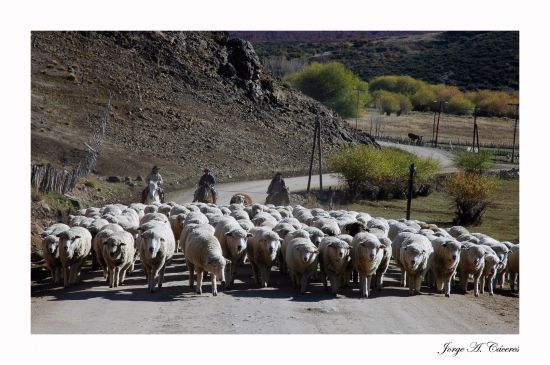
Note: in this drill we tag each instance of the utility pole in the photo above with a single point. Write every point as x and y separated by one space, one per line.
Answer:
438 117
356 113
412 169
515 130
476 133
316 141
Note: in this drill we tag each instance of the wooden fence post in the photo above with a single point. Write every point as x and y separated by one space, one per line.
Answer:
412 169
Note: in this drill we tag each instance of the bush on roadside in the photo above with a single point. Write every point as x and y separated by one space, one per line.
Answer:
381 173
334 85
472 194
474 162
458 104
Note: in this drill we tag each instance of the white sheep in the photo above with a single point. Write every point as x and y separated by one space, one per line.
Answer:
232 239
502 252
262 250
334 257
240 214
264 219
396 253
472 261
328 226
299 233
490 269
282 229
99 241
246 224
203 252
366 255
292 221
384 263
156 249
54 230
315 235
513 266
301 259
50 251
457 231
118 253
414 254
189 228
74 245
443 263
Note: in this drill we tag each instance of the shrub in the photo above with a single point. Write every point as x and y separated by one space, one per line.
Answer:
422 100
472 194
389 102
333 85
458 104
475 162
405 85
380 173
91 183
493 103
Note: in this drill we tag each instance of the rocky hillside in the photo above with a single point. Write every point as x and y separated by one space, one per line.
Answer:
181 100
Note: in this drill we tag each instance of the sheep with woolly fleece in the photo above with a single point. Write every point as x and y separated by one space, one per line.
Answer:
158 217
366 254
282 229
345 237
490 269
384 263
512 266
74 245
190 228
234 207
334 257
214 219
129 220
292 221
225 210
176 223
91 212
363 218
239 214
165 209
151 208
156 248
379 224
195 217
262 249
54 230
502 252
467 238
301 260
457 231
79 220
275 214
99 241
257 208
246 224
299 233
396 227
329 226
118 253
110 209
396 253
443 263
285 213
203 252
50 250
315 235
232 239
139 209
264 219
95 227
414 255
354 227
472 262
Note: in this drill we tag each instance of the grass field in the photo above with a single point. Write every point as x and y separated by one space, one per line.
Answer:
501 220
452 128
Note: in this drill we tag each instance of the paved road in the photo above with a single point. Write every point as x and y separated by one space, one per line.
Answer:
256 189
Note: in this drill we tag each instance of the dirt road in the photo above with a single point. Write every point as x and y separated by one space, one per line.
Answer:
91 307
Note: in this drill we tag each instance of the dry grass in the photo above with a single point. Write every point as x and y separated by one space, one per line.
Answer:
453 128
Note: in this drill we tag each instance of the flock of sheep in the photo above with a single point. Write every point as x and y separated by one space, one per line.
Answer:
347 247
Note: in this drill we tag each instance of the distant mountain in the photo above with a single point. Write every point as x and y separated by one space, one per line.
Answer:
313 36
469 60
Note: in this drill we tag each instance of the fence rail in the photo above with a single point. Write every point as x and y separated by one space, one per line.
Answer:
50 178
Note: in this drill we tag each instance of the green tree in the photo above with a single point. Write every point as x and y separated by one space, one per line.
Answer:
333 85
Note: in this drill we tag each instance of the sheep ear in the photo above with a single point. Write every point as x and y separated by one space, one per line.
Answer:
228 262
382 245
367 229
123 244
76 237
330 244
228 234
249 234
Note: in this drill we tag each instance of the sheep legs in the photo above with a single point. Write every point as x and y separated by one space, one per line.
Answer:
364 284
199 281
214 285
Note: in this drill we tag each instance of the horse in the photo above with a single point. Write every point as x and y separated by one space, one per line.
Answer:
153 195
241 198
415 138
280 198
204 194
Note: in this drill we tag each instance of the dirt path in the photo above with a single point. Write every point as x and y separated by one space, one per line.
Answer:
91 307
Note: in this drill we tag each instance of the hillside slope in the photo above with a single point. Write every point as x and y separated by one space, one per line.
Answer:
181 100
470 60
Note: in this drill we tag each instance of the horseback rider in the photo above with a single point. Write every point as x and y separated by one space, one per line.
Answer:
207 178
154 176
277 185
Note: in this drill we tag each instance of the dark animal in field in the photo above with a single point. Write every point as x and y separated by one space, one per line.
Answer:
415 138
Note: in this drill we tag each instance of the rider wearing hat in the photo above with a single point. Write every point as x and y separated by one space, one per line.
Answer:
207 178
155 177
277 184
